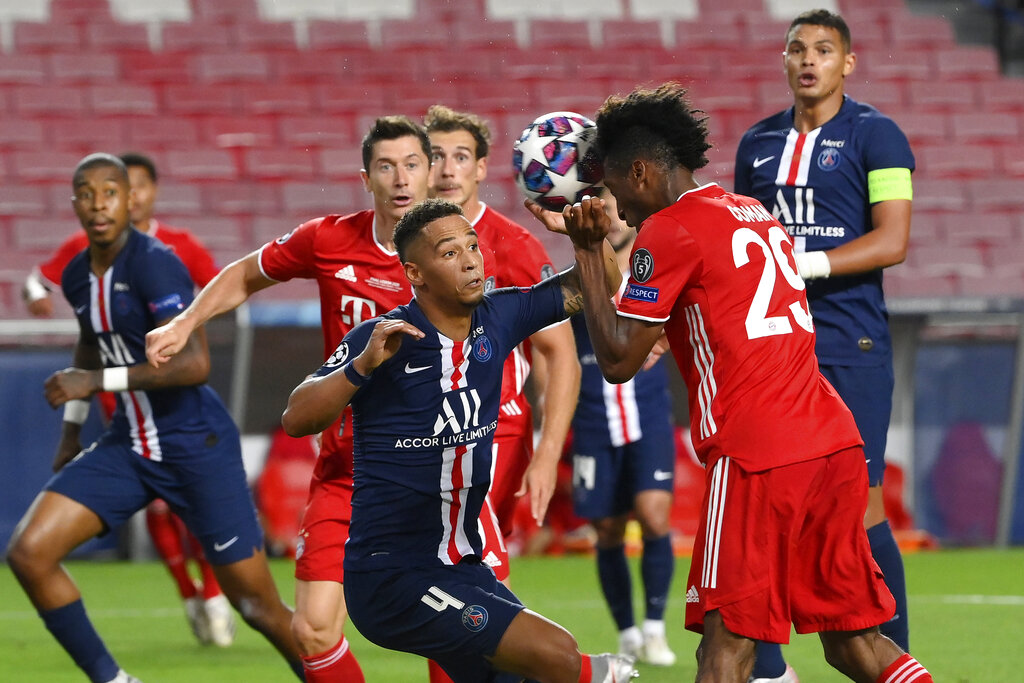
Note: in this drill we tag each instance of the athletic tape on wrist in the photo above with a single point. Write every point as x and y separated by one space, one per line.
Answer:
76 411
813 264
115 379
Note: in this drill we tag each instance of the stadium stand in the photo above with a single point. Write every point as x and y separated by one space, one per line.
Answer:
254 109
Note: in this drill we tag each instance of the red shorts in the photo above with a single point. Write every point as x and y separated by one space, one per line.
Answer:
495 553
512 450
787 546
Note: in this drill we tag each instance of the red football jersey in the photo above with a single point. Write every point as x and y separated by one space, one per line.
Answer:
718 270
520 261
190 250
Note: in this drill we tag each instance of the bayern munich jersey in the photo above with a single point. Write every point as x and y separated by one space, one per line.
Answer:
190 250
718 270
817 185
146 285
520 261
423 427
616 414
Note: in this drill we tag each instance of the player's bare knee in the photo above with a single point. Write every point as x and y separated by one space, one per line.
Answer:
26 554
313 638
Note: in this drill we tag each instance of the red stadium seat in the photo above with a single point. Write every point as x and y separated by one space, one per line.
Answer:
927 227
180 199
1011 157
996 230
992 285
235 10
922 127
559 34
32 37
902 283
308 67
217 232
48 100
18 133
40 233
414 34
37 166
290 164
995 127
921 30
709 31
938 260
22 69
164 132
79 11
155 68
238 131
1005 94
201 99
338 35
996 194
344 163
619 33
351 97
317 131
685 66
88 134
950 96
955 160
265 36
939 195
311 199
269 227
201 164
241 198
124 100
967 61
625 64
717 96
232 68
909 65
881 94
276 98
1008 260
113 37
24 200
195 38
474 32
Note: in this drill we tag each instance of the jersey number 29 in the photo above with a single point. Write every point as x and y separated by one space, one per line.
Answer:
759 323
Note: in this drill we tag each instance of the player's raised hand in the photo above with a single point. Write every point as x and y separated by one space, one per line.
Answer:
165 341
586 222
551 220
384 342
69 384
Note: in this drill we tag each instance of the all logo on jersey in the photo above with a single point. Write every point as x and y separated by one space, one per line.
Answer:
339 356
348 273
482 348
829 159
642 265
474 618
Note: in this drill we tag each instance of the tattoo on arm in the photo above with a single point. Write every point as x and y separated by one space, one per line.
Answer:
572 293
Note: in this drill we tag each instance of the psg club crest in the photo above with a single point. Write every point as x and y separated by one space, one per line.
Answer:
474 618
482 348
642 265
829 159
339 356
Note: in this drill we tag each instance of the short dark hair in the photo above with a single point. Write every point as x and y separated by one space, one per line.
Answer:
823 17
137 159
657 124
418 217
392 128
96 160
442 119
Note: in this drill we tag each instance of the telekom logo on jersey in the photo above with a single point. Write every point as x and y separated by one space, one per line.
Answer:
355 309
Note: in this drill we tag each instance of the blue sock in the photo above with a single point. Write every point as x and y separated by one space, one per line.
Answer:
656 567
890 561
768 662
73 630
616 584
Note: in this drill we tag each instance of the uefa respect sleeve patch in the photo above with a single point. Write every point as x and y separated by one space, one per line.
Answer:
172 303
641 293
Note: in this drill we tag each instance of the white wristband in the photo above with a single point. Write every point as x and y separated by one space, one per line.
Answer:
34 289
76 410
115 379
813 264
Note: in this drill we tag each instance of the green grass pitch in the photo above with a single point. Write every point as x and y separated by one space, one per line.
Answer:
966 611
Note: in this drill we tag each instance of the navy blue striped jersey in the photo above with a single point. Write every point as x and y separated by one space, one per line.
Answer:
147 284
423 426
816 185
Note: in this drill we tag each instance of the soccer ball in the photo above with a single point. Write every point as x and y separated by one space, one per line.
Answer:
553 161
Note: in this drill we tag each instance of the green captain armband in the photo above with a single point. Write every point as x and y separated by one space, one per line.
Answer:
889 183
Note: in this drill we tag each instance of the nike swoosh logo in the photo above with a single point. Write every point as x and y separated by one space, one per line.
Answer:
409 369
662 475
761 162
79 310
221 547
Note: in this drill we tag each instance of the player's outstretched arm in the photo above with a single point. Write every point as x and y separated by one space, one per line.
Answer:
232 286
620 344
319 400
87 357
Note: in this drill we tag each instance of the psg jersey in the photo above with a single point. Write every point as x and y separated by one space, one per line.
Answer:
718 270
147 284
816 184
423 427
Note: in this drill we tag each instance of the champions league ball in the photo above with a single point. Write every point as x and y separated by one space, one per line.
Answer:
553 161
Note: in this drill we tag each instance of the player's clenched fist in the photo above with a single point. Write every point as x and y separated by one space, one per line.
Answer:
165 341
69 384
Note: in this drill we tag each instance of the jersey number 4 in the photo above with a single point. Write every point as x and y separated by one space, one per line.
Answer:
759 323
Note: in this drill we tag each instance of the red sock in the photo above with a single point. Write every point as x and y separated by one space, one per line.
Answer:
211 588
906 669
337 665
585 672
164 532
437 674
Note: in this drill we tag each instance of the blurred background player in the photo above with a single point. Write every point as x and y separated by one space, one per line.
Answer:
623 453
208 612
460 144
424 382
780 448
169 437
359 275
836 173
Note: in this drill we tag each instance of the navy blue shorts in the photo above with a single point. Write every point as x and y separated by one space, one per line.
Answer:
455 615
201 477
867 391
606 478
